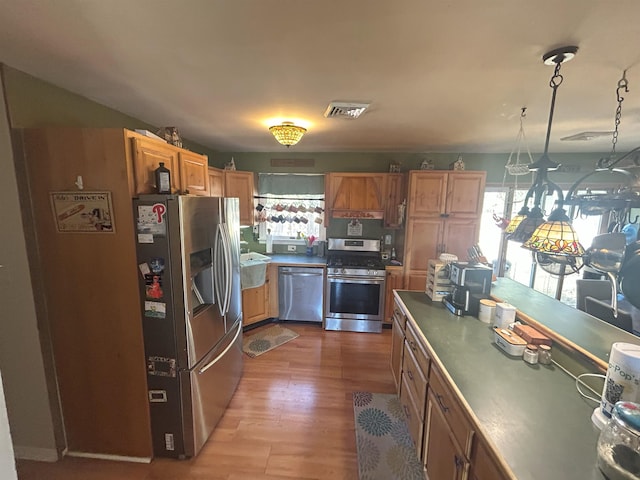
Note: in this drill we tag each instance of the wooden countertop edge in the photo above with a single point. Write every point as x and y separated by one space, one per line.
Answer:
568 344
478 430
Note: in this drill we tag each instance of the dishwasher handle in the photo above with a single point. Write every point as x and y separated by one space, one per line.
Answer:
301 274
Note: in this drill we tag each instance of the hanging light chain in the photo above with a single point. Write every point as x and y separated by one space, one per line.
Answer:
556 79
622 85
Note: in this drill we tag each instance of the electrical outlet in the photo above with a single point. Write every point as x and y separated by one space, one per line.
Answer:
387 239
291 248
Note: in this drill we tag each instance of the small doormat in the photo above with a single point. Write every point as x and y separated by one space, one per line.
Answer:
385 447
266 340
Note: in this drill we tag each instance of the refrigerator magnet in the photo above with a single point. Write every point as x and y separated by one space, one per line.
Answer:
151 219
153 286
155 309
157 265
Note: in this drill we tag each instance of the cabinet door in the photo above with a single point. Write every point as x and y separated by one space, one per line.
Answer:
216 182
427 193
147 155
397 348
241 185
394 196
413 417
443 458
465 192
394 281
423 242
194 177
459 234
255 304
483 466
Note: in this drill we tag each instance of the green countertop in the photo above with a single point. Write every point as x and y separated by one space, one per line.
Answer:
585 331
294 260
531 414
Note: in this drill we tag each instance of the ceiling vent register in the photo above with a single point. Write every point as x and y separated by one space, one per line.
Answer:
345 110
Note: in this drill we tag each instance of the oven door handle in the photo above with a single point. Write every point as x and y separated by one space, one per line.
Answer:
367 280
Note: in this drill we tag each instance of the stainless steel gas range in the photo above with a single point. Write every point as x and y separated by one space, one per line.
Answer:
354 298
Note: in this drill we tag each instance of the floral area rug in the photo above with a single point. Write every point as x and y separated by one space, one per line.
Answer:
385 447
266 340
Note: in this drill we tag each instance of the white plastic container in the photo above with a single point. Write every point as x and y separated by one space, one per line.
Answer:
505 315
487 311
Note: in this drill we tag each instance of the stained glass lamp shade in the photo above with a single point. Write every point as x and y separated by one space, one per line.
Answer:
556 236
517 219
527 226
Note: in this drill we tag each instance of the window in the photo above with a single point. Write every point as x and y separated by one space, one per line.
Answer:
291 206
519 263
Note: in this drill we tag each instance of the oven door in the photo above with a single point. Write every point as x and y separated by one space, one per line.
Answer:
354 298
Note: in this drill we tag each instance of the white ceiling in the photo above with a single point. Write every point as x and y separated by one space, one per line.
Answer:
441 76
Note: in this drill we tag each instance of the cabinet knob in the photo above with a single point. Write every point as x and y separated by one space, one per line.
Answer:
458 461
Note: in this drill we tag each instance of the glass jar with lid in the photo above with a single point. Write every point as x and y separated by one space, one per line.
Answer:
619 443
544 354
530 354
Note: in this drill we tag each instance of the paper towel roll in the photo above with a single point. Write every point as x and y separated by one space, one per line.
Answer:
623 376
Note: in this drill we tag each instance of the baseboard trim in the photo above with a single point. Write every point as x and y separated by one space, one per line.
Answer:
35 453
117 458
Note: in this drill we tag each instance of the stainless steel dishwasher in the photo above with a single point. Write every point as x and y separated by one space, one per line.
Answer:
301 293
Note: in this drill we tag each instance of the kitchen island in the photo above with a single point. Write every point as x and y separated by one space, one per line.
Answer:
530 418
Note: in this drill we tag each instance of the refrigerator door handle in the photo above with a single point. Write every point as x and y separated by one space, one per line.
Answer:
216 270
223 353
229 267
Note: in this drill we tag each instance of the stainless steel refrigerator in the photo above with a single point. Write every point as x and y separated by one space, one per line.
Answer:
188 251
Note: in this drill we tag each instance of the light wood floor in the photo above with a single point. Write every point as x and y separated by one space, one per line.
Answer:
291 417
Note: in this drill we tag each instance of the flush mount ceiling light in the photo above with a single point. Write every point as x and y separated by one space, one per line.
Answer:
287 133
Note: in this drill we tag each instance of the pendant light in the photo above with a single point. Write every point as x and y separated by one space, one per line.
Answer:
554 240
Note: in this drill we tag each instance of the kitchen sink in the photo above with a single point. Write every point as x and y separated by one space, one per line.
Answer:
253 269
253 256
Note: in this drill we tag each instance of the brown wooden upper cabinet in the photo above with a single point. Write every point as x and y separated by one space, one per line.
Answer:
394 194
242 185
188 169
216 182
445 193
444 210
194 176
147 156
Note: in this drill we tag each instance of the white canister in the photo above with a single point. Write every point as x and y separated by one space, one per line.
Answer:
505 315
487 310
623 376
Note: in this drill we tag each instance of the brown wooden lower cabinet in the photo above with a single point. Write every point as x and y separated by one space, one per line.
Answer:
394 281
444 434
415 420
444 459
255 302
483 465
397 346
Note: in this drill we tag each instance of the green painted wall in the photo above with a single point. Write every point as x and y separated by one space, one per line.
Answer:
32 102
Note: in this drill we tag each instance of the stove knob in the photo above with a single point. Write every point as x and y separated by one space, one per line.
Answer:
344 271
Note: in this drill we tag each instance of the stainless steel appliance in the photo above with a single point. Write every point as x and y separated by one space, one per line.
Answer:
300 293
355 285
188 251
472 283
